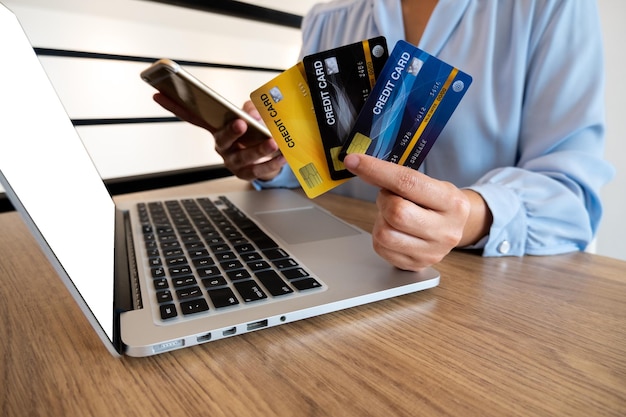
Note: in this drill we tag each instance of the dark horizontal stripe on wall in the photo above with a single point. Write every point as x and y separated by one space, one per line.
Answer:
123 120
240 9
165 179
5 204
97 55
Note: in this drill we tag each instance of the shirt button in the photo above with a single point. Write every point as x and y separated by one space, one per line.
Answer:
504 247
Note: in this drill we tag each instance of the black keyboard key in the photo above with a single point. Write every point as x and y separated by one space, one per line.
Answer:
244 248
167 238
250 291
227 229
219 247
225 256
238 275
285 263
217 281
223 297
157 272
186 231
180 270
199 253
160 284
208 271
170 245
217 240
164 296
251 256
258 265
194 306
209 233
295 273
275 253
202 262
187 293
191 239
193 246
262 240
167 311
164 230
230 265
177 260
221 222
305 284
186 281
274 284
239 241
170 253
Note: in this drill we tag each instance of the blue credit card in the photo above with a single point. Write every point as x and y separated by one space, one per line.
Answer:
413 99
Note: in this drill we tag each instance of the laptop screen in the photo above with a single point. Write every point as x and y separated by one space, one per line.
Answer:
51 179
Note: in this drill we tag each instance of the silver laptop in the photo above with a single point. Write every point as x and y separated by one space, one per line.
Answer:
156 276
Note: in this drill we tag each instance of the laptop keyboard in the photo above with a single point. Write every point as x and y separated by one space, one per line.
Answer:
207 254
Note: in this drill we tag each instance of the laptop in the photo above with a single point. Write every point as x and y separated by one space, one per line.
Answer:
155 276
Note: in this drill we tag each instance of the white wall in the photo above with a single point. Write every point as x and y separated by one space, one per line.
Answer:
95 88
612 235
137 27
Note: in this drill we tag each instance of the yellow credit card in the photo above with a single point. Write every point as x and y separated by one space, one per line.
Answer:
287 109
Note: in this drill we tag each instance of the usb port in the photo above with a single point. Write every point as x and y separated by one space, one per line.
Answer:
203 338
257 325
229 332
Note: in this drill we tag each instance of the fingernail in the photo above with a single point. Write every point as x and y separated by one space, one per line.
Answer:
351 161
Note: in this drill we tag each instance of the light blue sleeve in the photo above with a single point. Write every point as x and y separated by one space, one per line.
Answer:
529 135
549 203
284 179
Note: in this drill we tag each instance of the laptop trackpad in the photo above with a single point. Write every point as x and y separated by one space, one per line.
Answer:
303 225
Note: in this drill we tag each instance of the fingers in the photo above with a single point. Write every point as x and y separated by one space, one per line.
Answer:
226 138
247 153
263 169
412 237
420 219
251 109
180 111
403 181
248 161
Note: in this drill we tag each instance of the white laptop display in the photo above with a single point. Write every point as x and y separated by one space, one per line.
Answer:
185 287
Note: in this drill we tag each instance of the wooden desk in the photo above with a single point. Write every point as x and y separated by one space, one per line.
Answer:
533 336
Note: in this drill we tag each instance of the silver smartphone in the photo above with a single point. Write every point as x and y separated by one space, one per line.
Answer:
179 85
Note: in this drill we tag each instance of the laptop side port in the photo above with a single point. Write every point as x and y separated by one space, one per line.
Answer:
257 325
203 338
229 332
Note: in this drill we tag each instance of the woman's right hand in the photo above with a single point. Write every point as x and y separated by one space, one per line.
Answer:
245 154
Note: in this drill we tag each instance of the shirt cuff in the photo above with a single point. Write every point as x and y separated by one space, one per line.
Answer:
284 179
507 235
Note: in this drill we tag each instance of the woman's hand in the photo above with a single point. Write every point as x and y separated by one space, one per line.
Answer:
245 153
420 219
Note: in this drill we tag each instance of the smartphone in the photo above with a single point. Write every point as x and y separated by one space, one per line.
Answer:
179 85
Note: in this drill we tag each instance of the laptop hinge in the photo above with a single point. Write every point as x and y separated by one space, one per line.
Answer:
126 289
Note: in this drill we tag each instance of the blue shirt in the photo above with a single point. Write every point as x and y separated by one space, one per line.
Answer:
529 133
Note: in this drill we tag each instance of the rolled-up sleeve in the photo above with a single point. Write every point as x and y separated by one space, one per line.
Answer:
549 202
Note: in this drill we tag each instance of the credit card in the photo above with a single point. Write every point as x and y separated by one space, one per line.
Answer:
413 99
287 109
340 81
